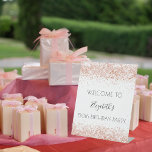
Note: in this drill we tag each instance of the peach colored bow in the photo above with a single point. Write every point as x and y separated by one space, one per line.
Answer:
142 77
73 57
56 106
46 33
11 103
34 99
140 87
9 75
147 93
16 95
27 108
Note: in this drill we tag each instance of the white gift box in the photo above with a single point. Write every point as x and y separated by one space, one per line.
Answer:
56 117
64 73
33 71
46 48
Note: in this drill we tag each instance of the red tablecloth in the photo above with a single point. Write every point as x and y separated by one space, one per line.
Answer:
39 88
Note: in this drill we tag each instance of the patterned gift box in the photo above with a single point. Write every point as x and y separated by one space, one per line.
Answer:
6 118
135 113
40 103
142 80
56 119
33 71
26 122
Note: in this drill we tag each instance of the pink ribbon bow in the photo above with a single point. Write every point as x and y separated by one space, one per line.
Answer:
73 57
16 95
9 75
142 77
46 33
140 87
27 108
11 103
56 106
34 99
147 93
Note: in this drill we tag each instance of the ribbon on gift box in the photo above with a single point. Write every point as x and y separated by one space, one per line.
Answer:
73 57
142 77
13 96
54 35
140 87
9 75
11 103
30 109
35 99
57 107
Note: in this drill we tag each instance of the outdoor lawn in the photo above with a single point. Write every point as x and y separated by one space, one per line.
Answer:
11 48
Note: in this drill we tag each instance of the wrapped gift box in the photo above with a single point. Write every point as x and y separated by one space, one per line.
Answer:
16 97
140 89
19 149
26 122
7 119
64 73
33 71
145 112
51 41
135 113
56 119
150 86
40 103
142 80
7 77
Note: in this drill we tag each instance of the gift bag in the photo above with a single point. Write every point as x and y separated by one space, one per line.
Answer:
142 80
145 112
135 113
52 41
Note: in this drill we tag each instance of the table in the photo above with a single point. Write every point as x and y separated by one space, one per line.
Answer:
40 88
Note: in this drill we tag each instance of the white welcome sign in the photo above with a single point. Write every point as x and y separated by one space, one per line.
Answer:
104 101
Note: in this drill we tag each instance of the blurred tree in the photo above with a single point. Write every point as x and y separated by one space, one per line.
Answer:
1 6
29 20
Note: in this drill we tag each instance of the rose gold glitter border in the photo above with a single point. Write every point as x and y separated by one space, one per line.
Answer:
114 71
100 132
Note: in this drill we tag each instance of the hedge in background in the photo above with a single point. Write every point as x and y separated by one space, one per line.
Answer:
6 26
108 11
133 40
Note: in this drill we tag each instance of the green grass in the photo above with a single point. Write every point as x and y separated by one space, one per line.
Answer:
11 69
12 48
